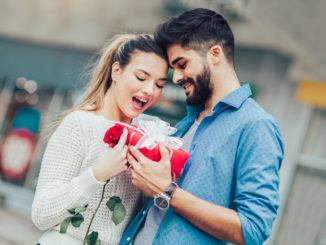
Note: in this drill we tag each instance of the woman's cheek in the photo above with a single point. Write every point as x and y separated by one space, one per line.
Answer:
157 96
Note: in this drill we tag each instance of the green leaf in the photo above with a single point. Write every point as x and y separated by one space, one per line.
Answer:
64 225
81 209
98 242
119 213
77 219
92 238
72 210
112 202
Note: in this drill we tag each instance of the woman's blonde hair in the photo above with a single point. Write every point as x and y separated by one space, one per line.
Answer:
101 77
118 49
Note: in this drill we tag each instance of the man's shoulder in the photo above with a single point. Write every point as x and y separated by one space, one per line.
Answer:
252 112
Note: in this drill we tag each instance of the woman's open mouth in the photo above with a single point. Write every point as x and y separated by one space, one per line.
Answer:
139 102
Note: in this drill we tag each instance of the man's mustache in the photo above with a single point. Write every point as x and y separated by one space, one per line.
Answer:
189 80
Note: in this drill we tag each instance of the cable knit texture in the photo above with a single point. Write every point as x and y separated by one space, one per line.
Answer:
66 180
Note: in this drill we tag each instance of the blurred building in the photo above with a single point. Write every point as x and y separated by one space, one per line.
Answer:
47 47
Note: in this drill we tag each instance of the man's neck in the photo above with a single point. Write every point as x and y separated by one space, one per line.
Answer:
222 87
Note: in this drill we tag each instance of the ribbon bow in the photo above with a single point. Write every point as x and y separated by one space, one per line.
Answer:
156 130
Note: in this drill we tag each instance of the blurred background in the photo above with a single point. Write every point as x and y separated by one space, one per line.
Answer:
46 47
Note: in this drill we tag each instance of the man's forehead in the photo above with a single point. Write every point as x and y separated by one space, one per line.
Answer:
174 50
176 53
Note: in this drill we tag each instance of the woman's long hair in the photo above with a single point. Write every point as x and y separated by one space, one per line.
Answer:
119 49
101 77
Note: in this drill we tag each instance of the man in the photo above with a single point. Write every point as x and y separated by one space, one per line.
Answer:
229 187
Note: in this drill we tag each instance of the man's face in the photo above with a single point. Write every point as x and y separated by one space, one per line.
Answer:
191 71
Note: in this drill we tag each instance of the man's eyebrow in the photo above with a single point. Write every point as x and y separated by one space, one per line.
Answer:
163 79
176 60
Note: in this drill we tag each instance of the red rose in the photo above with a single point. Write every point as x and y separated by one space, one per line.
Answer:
112 135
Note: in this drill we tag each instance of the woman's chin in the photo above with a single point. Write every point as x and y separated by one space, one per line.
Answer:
134 113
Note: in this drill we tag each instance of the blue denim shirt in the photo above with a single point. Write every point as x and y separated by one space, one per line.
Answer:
234 162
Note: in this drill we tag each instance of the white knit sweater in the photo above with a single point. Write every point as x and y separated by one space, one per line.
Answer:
66 180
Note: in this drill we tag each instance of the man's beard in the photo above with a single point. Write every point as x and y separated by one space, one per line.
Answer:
202 90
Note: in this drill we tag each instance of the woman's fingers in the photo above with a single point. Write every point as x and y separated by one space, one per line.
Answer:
124 151
122 140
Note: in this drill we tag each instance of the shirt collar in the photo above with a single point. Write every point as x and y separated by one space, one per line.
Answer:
195 110
235 98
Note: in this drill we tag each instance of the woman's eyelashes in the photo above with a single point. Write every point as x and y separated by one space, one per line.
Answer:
159 85
143 79
140 78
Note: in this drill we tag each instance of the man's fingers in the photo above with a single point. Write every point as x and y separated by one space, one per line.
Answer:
132 161
122 139
165 155
136 153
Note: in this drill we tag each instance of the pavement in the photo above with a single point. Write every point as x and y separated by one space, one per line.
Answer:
17 229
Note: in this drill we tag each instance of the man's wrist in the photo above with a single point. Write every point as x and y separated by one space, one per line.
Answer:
163 188
162 200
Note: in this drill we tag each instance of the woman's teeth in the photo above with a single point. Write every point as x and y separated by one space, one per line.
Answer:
142 100
139 102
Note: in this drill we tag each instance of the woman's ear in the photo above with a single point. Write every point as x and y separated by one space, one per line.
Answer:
116 70
214 54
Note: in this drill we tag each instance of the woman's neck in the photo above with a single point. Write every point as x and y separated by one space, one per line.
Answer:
111 111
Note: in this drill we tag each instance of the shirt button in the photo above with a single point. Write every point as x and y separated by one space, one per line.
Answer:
128 239
144 212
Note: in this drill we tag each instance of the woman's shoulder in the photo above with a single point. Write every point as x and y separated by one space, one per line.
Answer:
78 118
82 115
91 119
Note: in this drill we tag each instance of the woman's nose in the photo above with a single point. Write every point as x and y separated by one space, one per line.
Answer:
148 89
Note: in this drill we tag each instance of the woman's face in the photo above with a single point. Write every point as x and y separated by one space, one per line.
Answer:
139 84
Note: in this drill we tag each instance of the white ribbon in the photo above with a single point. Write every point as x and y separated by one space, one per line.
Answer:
157 131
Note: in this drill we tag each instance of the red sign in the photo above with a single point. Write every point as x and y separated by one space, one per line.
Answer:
16 153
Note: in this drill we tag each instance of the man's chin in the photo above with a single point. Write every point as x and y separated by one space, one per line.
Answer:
190 101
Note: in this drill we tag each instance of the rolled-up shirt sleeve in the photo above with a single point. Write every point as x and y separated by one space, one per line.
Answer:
259 157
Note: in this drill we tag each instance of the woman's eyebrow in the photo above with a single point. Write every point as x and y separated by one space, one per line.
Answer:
146 73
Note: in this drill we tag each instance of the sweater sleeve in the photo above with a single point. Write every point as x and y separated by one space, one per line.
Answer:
61 185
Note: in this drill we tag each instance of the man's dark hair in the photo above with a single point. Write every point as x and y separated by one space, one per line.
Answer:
197 29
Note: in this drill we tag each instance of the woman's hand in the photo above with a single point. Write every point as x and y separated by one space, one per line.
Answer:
113 160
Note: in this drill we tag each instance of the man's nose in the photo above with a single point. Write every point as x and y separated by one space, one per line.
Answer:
177 76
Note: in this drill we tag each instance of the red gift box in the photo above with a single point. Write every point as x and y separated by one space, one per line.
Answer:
136 136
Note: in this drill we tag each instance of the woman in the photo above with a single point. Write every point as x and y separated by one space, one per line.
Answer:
76 166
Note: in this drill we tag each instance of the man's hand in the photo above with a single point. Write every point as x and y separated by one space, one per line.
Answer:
150 177
154 177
